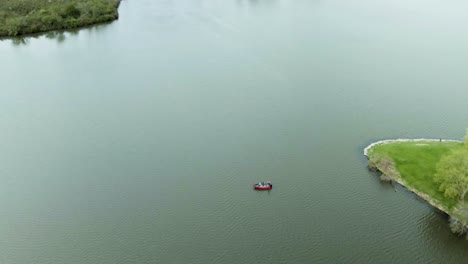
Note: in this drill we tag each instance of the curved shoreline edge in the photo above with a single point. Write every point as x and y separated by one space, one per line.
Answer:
387 141
402 182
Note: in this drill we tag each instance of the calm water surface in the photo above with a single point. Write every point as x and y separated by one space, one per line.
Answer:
138 141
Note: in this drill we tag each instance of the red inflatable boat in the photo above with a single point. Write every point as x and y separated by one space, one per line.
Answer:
262 186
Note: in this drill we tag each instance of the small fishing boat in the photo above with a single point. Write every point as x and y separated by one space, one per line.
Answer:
262 186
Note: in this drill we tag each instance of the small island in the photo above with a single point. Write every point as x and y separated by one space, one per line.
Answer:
434 169
19 17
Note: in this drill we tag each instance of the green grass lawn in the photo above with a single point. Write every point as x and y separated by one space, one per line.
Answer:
18 17
416 163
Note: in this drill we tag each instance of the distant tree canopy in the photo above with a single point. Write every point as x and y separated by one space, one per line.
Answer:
19 17
452 173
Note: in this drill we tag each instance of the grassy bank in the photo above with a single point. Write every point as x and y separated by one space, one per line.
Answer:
19 17
414 163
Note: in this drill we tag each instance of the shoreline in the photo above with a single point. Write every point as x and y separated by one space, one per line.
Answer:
403 183
56 31
66 24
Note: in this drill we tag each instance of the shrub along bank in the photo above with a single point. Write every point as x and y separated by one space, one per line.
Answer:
18 17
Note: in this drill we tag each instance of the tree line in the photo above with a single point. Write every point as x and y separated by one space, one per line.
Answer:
18 17
452 173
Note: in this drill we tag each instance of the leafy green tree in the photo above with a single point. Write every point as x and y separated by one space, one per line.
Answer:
452 174
72 11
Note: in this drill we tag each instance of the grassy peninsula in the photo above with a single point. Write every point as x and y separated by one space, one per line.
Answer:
19 17
415 164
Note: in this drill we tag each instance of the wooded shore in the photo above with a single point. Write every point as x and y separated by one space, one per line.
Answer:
20 17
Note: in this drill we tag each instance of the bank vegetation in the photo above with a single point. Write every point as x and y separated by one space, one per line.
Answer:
435 170
19 17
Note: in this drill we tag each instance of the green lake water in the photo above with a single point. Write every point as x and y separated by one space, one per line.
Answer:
138 141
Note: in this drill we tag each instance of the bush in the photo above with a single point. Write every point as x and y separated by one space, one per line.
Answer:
72 23
72 11
456 227
12 26
51 21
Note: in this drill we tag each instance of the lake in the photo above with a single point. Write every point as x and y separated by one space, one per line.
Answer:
138 141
